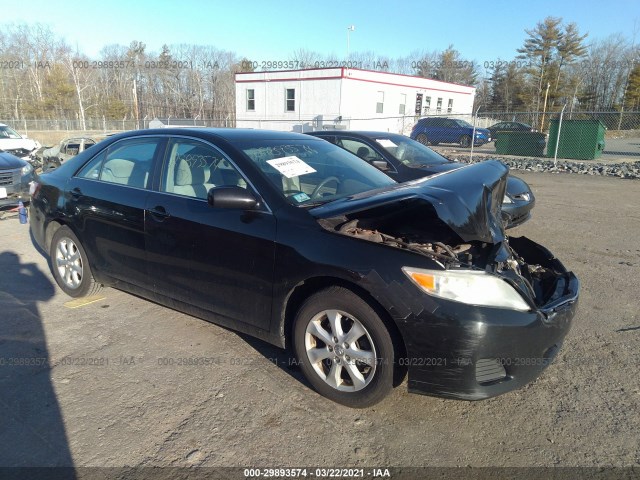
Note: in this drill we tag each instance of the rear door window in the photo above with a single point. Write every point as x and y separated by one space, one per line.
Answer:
127 162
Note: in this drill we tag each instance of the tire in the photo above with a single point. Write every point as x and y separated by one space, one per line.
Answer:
69 265
465 141
50 166
358 369
422 138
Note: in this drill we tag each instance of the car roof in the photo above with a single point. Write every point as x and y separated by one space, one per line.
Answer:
359 133
229 134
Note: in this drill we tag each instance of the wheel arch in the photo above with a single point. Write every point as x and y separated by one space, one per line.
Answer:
50 230
311 286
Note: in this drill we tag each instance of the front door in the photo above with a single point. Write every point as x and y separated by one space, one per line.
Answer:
216 259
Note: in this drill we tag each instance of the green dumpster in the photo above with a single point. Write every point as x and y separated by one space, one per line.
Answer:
579 139
522 143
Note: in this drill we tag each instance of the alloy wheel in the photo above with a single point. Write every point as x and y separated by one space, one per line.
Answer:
340 350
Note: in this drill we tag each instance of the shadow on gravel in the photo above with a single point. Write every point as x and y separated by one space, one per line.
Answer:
285 359
32 430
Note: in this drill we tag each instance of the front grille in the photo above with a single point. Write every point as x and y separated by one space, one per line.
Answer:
489 370
9 177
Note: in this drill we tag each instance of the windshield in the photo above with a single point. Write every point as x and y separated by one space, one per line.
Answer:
312 172
463 123
8 132
410 152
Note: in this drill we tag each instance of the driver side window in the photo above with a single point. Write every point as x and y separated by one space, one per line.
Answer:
193 168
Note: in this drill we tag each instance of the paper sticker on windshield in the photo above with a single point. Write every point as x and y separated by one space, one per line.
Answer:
3 192
290 166
386 143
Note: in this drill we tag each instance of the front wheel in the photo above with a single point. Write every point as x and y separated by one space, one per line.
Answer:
49 166
465 141
70 266
344 348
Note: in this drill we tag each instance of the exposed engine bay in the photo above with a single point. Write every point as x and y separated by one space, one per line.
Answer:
415 226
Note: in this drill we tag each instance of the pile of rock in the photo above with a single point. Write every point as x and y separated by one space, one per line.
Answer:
629 170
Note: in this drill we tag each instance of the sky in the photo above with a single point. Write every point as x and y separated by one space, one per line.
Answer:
273 29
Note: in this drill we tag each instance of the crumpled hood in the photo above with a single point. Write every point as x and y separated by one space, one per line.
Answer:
467 199
16 143
9 161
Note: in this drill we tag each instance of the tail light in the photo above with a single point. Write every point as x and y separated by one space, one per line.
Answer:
34 188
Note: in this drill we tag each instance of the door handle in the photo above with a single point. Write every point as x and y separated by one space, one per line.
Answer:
159 213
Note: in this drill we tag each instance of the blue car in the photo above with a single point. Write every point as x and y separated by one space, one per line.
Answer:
435 130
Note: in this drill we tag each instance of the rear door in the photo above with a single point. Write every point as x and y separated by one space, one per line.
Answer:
107 201
217 259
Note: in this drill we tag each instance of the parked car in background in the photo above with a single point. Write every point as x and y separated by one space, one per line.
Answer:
298 242
68 148
14 143
436 130
509 127
16 175
404 159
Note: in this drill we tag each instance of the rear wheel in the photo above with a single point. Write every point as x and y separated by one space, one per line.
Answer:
422 138
465 141
69 265
344 348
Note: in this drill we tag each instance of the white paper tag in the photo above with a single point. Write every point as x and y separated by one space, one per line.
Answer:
290 166
386 143
3 192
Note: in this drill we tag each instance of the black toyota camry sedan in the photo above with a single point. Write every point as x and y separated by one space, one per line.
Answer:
405 159
300 243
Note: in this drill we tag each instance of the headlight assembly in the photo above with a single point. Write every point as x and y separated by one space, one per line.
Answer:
468 286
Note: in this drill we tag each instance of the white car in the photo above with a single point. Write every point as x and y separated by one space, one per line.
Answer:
14 143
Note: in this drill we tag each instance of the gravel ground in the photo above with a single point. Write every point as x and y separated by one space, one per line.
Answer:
628 169
111 391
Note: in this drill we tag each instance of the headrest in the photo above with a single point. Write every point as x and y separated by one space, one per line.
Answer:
192 173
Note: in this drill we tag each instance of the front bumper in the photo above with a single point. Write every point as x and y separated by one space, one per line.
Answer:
15 192
517 213
469 352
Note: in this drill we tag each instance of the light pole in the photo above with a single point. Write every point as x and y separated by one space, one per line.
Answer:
350 29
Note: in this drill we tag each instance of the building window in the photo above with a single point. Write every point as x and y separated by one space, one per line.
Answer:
427 105
251 99
450 106
403 103
290 102
439 106
380 103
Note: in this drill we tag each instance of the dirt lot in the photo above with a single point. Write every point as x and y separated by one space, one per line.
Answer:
102 384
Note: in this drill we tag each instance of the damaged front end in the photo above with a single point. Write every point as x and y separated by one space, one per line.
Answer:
455 220
489 298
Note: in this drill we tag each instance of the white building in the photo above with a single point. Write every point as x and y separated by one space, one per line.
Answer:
327 98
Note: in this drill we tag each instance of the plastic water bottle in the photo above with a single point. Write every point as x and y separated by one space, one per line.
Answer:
22 212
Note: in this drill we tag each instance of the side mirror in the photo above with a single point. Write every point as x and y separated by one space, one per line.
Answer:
380 165
231 197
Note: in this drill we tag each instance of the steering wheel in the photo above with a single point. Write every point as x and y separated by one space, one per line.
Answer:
316 191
